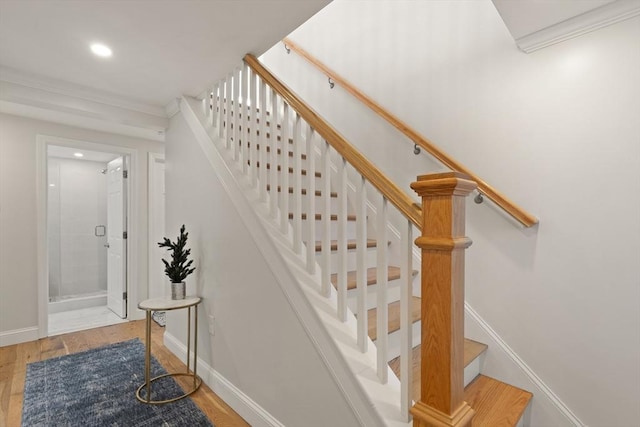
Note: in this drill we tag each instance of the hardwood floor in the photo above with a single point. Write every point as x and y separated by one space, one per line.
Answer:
14 360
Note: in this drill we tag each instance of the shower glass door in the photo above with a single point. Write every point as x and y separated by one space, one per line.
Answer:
116 243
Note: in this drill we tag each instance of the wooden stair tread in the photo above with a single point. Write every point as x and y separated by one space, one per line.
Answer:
472 349
279 168
497 404
257 119
303 156
278 137
351 244
268 123
334 217
393 273
393 316
303 191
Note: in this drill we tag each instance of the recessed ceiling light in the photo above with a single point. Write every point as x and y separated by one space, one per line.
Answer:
78 154
101 50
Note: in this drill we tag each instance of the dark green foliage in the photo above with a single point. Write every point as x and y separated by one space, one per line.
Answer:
178 269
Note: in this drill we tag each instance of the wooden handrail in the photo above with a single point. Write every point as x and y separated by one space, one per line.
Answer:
509 206
381 182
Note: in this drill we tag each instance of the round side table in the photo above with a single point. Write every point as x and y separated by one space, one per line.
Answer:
165 304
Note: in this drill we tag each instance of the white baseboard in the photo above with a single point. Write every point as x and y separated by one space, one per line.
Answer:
252 413
18 336
546 407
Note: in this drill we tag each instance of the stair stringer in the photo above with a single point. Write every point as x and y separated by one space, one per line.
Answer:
354 372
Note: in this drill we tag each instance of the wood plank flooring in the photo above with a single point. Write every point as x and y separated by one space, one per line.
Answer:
14 360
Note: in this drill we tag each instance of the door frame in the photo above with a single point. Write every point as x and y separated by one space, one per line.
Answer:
133 232
153 160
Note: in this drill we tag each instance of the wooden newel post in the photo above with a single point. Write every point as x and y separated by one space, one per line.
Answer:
443 244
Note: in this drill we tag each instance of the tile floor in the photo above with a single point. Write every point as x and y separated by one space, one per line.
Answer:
79 320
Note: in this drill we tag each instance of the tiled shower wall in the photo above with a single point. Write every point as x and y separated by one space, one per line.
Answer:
77 203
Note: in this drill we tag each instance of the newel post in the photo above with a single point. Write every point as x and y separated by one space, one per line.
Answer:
443 244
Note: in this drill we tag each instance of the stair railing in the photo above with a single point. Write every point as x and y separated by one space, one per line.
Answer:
510 207
270 132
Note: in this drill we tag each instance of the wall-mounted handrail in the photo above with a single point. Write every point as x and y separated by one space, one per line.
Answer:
401 200
499 199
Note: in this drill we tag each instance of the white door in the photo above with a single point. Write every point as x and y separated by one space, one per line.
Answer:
116 242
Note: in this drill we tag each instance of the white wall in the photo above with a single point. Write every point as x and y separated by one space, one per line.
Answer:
18 225
258 342
558 131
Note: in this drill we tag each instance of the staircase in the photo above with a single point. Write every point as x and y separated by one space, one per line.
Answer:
338 224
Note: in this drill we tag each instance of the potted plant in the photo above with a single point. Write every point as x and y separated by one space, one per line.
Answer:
180 266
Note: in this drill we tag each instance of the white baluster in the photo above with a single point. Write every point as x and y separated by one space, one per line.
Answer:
205 104
382 298
236 115
254 130
246 102
273 181
284 172
406 336
297 187
264 141
213 114
221 107
326 219
311 200
342 240
228 109
361 262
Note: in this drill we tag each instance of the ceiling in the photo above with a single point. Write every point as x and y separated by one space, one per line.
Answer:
162 49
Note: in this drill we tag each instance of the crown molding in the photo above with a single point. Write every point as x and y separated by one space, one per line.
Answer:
75 120
72 90
61 106
574 27
172 107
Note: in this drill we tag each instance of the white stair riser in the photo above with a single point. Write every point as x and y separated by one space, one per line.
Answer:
370 259
526 415
304 178
319 203
394 340
393 294
351 230
472 370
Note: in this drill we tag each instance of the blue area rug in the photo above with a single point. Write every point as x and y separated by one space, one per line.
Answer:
98 388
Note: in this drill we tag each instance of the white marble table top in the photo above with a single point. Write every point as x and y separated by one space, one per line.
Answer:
165 304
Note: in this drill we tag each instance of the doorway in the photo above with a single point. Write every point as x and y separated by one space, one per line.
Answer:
86 203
